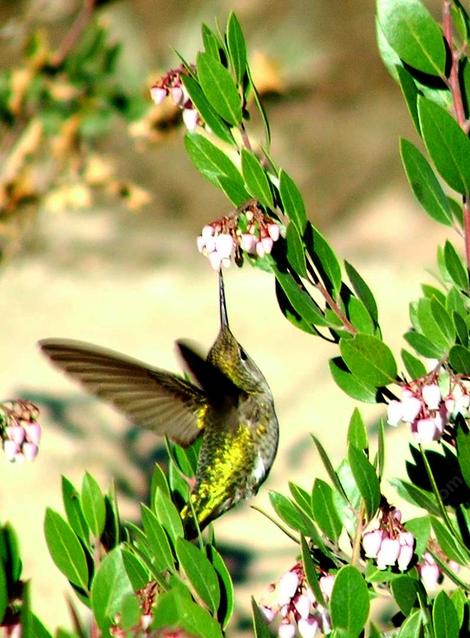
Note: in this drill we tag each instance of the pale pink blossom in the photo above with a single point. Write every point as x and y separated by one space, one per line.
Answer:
268 612
30 451
177 95
388 553
274 231
394 412
16 433
224 245
302 604
158 94
10 449
190 119
287 587
33 432
371 542
286 630
426 430
411 407
267 244
308 627
404 557
431 396
248 243
430 575
326 585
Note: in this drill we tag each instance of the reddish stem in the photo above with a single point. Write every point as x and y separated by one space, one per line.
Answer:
75 31
453 81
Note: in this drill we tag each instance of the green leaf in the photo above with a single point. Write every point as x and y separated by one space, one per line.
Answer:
362 290
200 573
366 479
129 612
92 502
389 56
325 259
295 251
414 367
234 191
65 549
73 510
447 145
168 516
416 496
405 591
205 110
310 573
301 498
353 386
215 165
455 267
236 47
459 359
369 359
420 527
423 345
413 625
257 183
349 605
444 616
432 291
459 601
424 184
448 542
138 574
290 514
414 35
430 327
158 541
359 316
461 328
444 321
357 431
3 591
260 624
227 598
219 88
292 201
211 42
301 301
410 93
110 587
10 552
158 480
174 610
324 511
463 452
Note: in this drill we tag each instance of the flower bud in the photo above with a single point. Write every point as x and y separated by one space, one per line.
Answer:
302 604
426 431
190 119
286 630
411 407
33 432
287 587
15 433
30 451
394 412
431 396
10 449
248 243
177 95
158 94
388 553
326 585
268 612
371 542
274 231
308 627
404 557
214 260
224 245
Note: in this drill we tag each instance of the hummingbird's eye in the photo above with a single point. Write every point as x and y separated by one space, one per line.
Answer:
243 355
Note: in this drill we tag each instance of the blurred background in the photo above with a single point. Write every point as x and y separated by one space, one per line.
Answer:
99 212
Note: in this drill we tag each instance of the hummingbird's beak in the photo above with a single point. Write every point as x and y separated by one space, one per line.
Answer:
222 306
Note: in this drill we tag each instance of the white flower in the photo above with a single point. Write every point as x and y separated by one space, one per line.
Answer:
274 231
30 451
431 396
286 630
388 553
248 243
371 542
177 95
268 612
190 119
404 557
287 587
308 627
394 412
207 231
302 604
260 249
11 450
224 245
430 575
16 433
157 94
406 538
426 431
267 244
411 407
214 260
326 585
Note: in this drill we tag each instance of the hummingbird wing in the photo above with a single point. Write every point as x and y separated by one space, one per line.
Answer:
152 398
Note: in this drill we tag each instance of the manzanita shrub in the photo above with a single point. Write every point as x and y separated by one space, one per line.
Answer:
350 545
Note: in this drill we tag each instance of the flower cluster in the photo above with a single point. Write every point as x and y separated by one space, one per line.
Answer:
427 410
390 544
295 603
251 231
19 430
171 85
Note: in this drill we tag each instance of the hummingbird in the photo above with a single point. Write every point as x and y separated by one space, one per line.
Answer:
228 403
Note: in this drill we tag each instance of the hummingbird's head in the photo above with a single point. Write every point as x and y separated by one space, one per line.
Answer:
230 357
